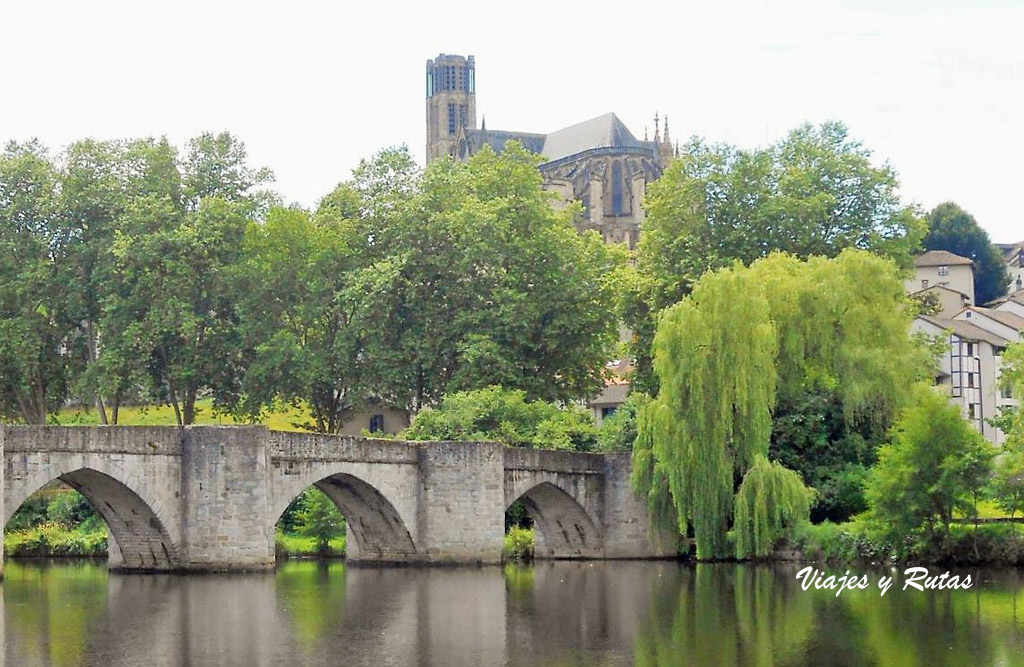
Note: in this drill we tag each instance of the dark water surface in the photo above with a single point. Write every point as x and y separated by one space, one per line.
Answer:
579 614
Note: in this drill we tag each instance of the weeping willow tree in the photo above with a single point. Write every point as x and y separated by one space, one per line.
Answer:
724 356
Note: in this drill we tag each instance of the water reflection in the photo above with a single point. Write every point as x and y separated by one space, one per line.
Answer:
592 614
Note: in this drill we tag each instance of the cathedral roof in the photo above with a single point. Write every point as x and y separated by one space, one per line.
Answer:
496 139
605 131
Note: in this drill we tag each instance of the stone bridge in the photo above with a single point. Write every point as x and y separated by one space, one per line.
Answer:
208 497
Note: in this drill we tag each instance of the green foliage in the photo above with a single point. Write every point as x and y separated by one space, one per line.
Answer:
747 338
1011 421
55 540
517 516
64 507
480 281
320 519
769 504
519 544
813 193
954 229
935 467
618 432
861 541
287 545
811 436
505 416
34 317
1007 484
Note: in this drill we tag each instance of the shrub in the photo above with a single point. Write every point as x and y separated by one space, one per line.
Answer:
519 544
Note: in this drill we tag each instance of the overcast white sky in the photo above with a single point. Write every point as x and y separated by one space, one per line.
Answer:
934 87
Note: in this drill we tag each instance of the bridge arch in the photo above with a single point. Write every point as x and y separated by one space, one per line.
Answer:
376 529
139 538
566 528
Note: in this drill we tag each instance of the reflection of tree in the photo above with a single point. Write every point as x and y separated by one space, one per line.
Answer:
313 594
519 584
757 615
983 625
723 615
53 611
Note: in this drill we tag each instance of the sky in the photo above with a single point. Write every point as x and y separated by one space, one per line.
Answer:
933 87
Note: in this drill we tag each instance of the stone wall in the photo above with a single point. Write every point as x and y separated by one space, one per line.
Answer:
461 502
226 498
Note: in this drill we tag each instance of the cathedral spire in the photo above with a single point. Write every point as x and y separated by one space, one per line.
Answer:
483 123
657 128
667 140
645 133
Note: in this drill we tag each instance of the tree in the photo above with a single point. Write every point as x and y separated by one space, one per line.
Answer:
320 519
954 229
745 339
171 318
813 193
934 467
505 416
480 281
302 335
35 325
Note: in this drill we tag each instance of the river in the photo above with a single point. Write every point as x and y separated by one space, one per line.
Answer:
553 614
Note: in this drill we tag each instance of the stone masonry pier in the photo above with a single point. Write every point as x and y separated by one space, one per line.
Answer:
207 498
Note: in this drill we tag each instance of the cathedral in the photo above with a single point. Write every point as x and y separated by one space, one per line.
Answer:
597 162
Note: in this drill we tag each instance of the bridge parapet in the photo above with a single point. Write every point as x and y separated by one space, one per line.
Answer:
287 445
549 460
143 440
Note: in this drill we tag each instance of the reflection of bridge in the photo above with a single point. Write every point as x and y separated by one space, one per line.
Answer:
208 497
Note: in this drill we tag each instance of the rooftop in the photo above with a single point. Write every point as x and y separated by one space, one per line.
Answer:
605 131
965 330
941 258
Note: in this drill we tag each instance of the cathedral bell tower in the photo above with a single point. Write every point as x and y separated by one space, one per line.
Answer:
451 103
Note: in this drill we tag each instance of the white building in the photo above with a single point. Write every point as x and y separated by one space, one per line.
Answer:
942 268
1013 254
970 369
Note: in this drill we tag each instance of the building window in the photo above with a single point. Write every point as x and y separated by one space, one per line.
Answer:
617 188
451 119
973 411
943 270
924 283
970 349
1007 391
970 380
376 423
608 412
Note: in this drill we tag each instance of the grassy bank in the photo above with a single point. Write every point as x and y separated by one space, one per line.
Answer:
163 415
986 544
56 540
290 545
53 540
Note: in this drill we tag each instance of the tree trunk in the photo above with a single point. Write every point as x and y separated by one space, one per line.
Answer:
190 407
90 342
117 406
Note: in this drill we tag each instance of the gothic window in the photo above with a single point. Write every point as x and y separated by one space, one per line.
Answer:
430 84
472 81
451 119
617 188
